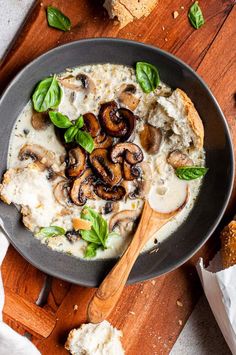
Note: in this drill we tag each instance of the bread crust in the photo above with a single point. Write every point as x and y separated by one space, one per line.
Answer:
128 10
193 118
228 245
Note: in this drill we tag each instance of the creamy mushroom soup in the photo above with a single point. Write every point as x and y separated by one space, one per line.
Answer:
80 172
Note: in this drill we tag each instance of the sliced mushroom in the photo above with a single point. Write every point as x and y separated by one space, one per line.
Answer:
117 122
114 193
103 141
110 207
61 193
110 173
82 188
86 82
123 217
38 153
78 83
76 161
40 121
91 124
151 138
177 159
131 172
126 96
131 152
143 185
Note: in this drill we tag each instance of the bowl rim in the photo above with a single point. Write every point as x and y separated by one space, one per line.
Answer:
197 246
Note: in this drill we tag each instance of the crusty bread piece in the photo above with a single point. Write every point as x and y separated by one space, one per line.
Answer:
194 120
177 113
128 10
228 245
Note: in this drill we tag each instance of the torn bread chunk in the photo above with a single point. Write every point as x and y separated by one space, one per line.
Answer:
30 188
171 115
127 11
95 339
228 245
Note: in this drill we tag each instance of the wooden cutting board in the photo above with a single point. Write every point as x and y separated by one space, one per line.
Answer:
148 313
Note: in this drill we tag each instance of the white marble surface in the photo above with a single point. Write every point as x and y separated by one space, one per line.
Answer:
201 334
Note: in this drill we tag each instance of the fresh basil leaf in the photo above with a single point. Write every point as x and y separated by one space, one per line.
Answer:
91 250
147 76
85 140
195 16
70 134
99 226
57 19
59 120
47 94
51 231
190 172
79 122
90 236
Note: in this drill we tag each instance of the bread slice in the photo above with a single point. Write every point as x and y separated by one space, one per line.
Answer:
127 11
178 114
228 245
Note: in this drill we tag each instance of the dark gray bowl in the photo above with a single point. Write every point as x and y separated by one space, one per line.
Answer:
215 191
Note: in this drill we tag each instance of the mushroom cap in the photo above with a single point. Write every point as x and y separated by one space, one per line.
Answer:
177 159
91 124
38 153
61 193
131 152
76 161
40 121
82 188
124 216
151 138
114 193
126 96
109 172
117 122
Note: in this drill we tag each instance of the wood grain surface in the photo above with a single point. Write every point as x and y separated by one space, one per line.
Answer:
147 312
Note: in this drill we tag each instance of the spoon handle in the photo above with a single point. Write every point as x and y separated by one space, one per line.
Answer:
112 286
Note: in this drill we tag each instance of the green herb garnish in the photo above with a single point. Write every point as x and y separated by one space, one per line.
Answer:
51 231
73 132
147 76
195 16
85 140
190 172
59 120
57 19
97 235
47 94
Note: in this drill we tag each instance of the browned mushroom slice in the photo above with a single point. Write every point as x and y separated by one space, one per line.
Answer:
76 162
78 83
123 217
126 96
103 141
40 120
114 193
61 193
150 138
131 172
82 188
177 159
91 124
117 122
38 153
143 185
131 152
110 173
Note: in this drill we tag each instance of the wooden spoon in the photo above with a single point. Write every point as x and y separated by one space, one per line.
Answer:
108 294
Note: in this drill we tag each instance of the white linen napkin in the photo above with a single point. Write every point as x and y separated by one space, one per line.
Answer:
10 341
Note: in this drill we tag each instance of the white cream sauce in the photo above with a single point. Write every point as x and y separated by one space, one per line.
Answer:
167 191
